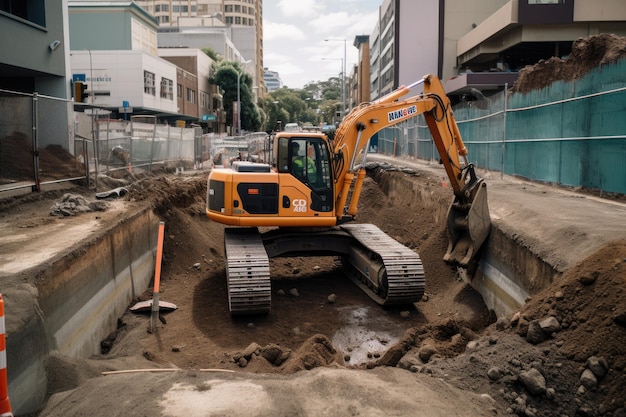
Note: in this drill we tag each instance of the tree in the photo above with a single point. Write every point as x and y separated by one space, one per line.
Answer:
316 103
226 74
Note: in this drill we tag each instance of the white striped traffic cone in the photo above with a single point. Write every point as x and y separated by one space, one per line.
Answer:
5 404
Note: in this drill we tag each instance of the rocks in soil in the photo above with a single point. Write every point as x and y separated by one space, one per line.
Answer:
588 379
275 354
598 366
533 381
540 330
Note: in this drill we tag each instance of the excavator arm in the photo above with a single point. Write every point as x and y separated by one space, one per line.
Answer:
468 216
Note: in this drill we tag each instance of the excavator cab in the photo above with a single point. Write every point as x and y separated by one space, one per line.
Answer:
308 159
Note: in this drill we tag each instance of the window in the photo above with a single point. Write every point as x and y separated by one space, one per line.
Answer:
179 91
148 83
205 100
191 95
33 11
167 89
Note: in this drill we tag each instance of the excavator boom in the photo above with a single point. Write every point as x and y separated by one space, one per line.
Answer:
468 216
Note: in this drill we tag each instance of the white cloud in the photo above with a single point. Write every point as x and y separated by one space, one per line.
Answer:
273 31
299 8
294 33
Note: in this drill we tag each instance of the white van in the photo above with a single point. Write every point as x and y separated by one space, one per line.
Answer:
292 127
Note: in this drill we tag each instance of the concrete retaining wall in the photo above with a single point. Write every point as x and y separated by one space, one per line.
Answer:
77 302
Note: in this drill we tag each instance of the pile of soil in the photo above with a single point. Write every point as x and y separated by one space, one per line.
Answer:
587 53
17 161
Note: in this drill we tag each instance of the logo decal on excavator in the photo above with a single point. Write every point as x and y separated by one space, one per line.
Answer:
299 205
402 113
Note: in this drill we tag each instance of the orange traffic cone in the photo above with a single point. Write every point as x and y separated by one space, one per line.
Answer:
5 405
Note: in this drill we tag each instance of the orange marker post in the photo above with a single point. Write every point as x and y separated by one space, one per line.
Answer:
157 278
5 404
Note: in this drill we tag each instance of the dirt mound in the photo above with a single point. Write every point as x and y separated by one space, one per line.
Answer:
588 305
17 163
587 53
562 354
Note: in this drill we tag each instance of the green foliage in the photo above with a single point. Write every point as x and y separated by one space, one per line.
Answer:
210 52
226 75
313 105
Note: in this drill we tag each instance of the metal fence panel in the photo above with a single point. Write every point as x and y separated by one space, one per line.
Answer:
16 146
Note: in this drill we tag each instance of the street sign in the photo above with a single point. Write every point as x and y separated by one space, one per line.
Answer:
208 118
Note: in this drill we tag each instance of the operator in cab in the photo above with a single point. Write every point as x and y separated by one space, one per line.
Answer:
301 165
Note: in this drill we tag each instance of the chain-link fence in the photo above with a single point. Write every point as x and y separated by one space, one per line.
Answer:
254 147
43 141
37 144
142 143
571 133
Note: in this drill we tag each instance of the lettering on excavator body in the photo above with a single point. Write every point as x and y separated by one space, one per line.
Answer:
401 113
299 205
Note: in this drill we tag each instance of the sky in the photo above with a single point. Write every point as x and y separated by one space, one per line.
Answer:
294 33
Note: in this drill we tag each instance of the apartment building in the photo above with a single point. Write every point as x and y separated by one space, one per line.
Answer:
272 80
240 20
478 43
33 55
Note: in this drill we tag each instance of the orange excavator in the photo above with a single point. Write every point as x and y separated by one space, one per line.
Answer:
305 199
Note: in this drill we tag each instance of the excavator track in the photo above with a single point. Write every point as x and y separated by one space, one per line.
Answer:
400 268
387 271
247 272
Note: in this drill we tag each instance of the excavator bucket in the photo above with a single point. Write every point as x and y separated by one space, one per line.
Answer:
469 224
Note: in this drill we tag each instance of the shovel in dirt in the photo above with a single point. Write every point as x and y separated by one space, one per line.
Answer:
155 305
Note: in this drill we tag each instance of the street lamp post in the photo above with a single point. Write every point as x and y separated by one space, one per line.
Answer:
239 104
239 97
343 79
93 122
343 86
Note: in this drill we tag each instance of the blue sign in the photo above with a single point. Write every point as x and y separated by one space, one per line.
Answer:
79 77
209 118
125 104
